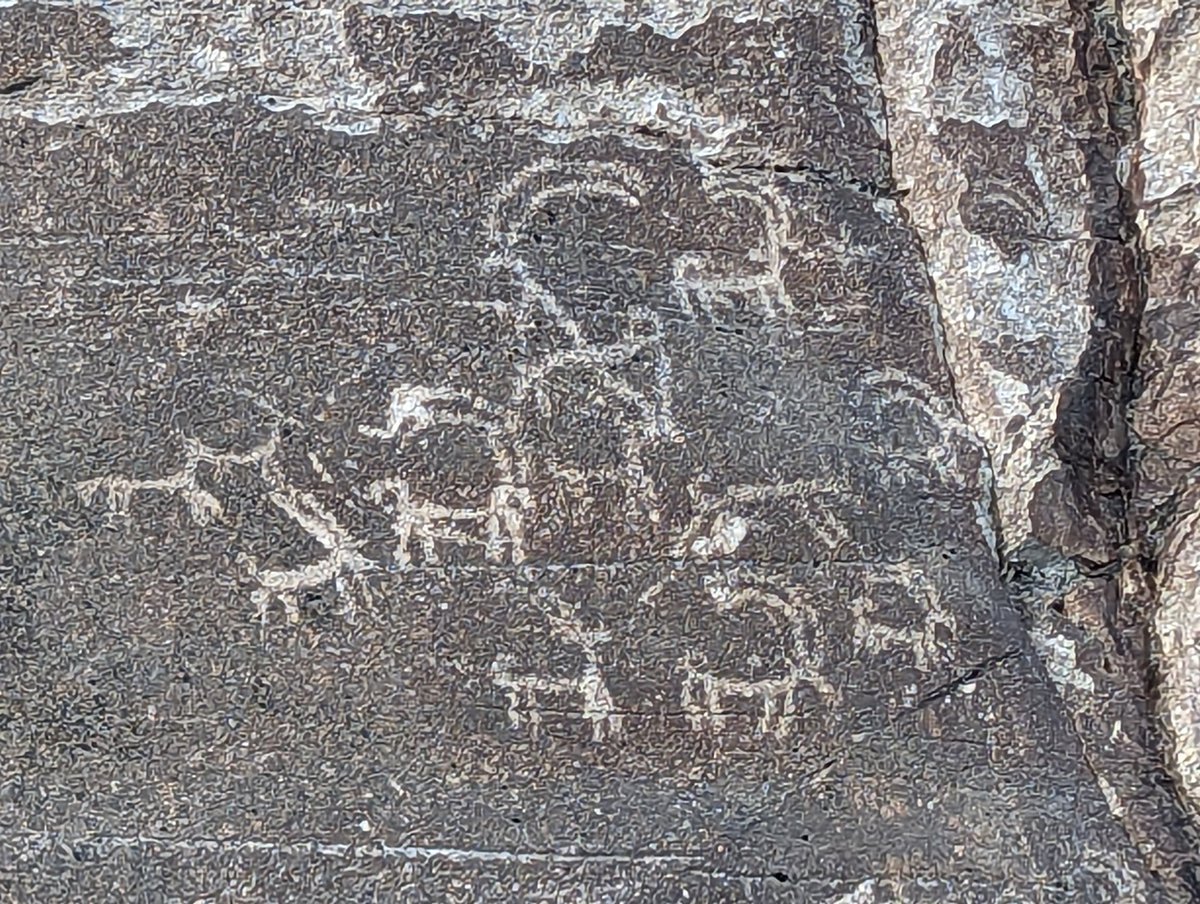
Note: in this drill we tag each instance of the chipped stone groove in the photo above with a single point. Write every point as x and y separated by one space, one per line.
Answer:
816 174
372 850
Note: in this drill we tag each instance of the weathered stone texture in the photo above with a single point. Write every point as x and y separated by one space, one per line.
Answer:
1011 129
1168 410
475 453
988 116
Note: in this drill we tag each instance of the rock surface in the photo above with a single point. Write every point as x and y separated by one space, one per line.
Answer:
989 116
1166 415
1012 129
450 452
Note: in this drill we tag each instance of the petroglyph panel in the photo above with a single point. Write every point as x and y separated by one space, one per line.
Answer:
505 494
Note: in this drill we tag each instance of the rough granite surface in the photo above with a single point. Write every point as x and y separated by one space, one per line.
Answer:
627 451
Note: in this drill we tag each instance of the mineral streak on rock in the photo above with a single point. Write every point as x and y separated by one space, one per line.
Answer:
663 68
1166 414
500 453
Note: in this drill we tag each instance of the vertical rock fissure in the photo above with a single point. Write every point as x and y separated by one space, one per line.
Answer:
1094 440
1164 39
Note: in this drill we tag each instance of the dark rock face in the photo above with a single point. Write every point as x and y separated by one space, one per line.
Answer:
549 491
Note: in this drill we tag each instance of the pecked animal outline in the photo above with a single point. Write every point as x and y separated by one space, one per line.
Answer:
703 280
641 328
706 691
733 588
413 409
704 283
343 562
728 523
525 689
711 540
871 635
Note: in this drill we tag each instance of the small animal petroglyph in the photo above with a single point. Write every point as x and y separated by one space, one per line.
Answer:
411 410
873 633
706 691
894 387
414 409
427 523
707 282
344 560
525 691
707 688
118 491
722 520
